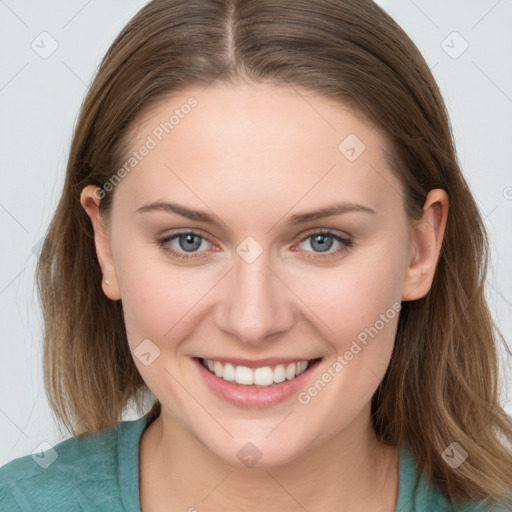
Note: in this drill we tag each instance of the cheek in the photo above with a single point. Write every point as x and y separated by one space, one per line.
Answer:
354 296
157 297
368 299
161 303
359 307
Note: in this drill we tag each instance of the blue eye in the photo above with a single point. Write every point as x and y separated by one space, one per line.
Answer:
322 241
188 243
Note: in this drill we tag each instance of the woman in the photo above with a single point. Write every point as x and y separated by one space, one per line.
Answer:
264 227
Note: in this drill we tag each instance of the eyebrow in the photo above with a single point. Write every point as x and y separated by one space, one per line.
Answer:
294 220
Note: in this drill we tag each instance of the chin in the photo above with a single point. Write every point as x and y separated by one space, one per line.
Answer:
260 452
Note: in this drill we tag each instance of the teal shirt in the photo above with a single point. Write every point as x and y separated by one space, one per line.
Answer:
100 472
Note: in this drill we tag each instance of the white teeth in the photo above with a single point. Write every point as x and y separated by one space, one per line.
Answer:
264 376
290 371
279 373
217 368
228 372
243 375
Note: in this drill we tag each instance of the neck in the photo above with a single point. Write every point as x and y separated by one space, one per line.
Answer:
352 471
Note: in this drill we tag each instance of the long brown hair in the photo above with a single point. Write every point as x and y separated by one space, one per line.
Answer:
442 382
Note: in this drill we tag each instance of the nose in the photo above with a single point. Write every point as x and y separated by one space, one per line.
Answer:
256 303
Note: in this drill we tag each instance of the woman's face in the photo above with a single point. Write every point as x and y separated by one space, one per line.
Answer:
243 278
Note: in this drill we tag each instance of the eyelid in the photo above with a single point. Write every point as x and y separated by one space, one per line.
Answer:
320 231
196 231
344 238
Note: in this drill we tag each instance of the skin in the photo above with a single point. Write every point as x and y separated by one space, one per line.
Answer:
253 155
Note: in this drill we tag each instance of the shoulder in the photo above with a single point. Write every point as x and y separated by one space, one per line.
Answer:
417 494
79 473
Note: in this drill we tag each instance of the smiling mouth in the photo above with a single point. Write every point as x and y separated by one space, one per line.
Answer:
262 377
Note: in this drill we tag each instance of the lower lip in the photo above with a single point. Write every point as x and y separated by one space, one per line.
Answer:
247 396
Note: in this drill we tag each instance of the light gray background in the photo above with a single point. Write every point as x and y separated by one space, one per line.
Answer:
39 102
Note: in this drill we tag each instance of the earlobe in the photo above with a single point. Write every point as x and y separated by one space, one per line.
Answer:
90 202
426 239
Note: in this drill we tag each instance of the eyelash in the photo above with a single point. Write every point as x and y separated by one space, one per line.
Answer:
346 244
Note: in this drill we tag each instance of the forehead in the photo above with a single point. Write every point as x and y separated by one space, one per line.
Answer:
255 142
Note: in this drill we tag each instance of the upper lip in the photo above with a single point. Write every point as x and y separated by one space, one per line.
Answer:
271 361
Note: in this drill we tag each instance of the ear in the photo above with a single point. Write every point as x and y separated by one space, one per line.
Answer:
426 241
90 200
